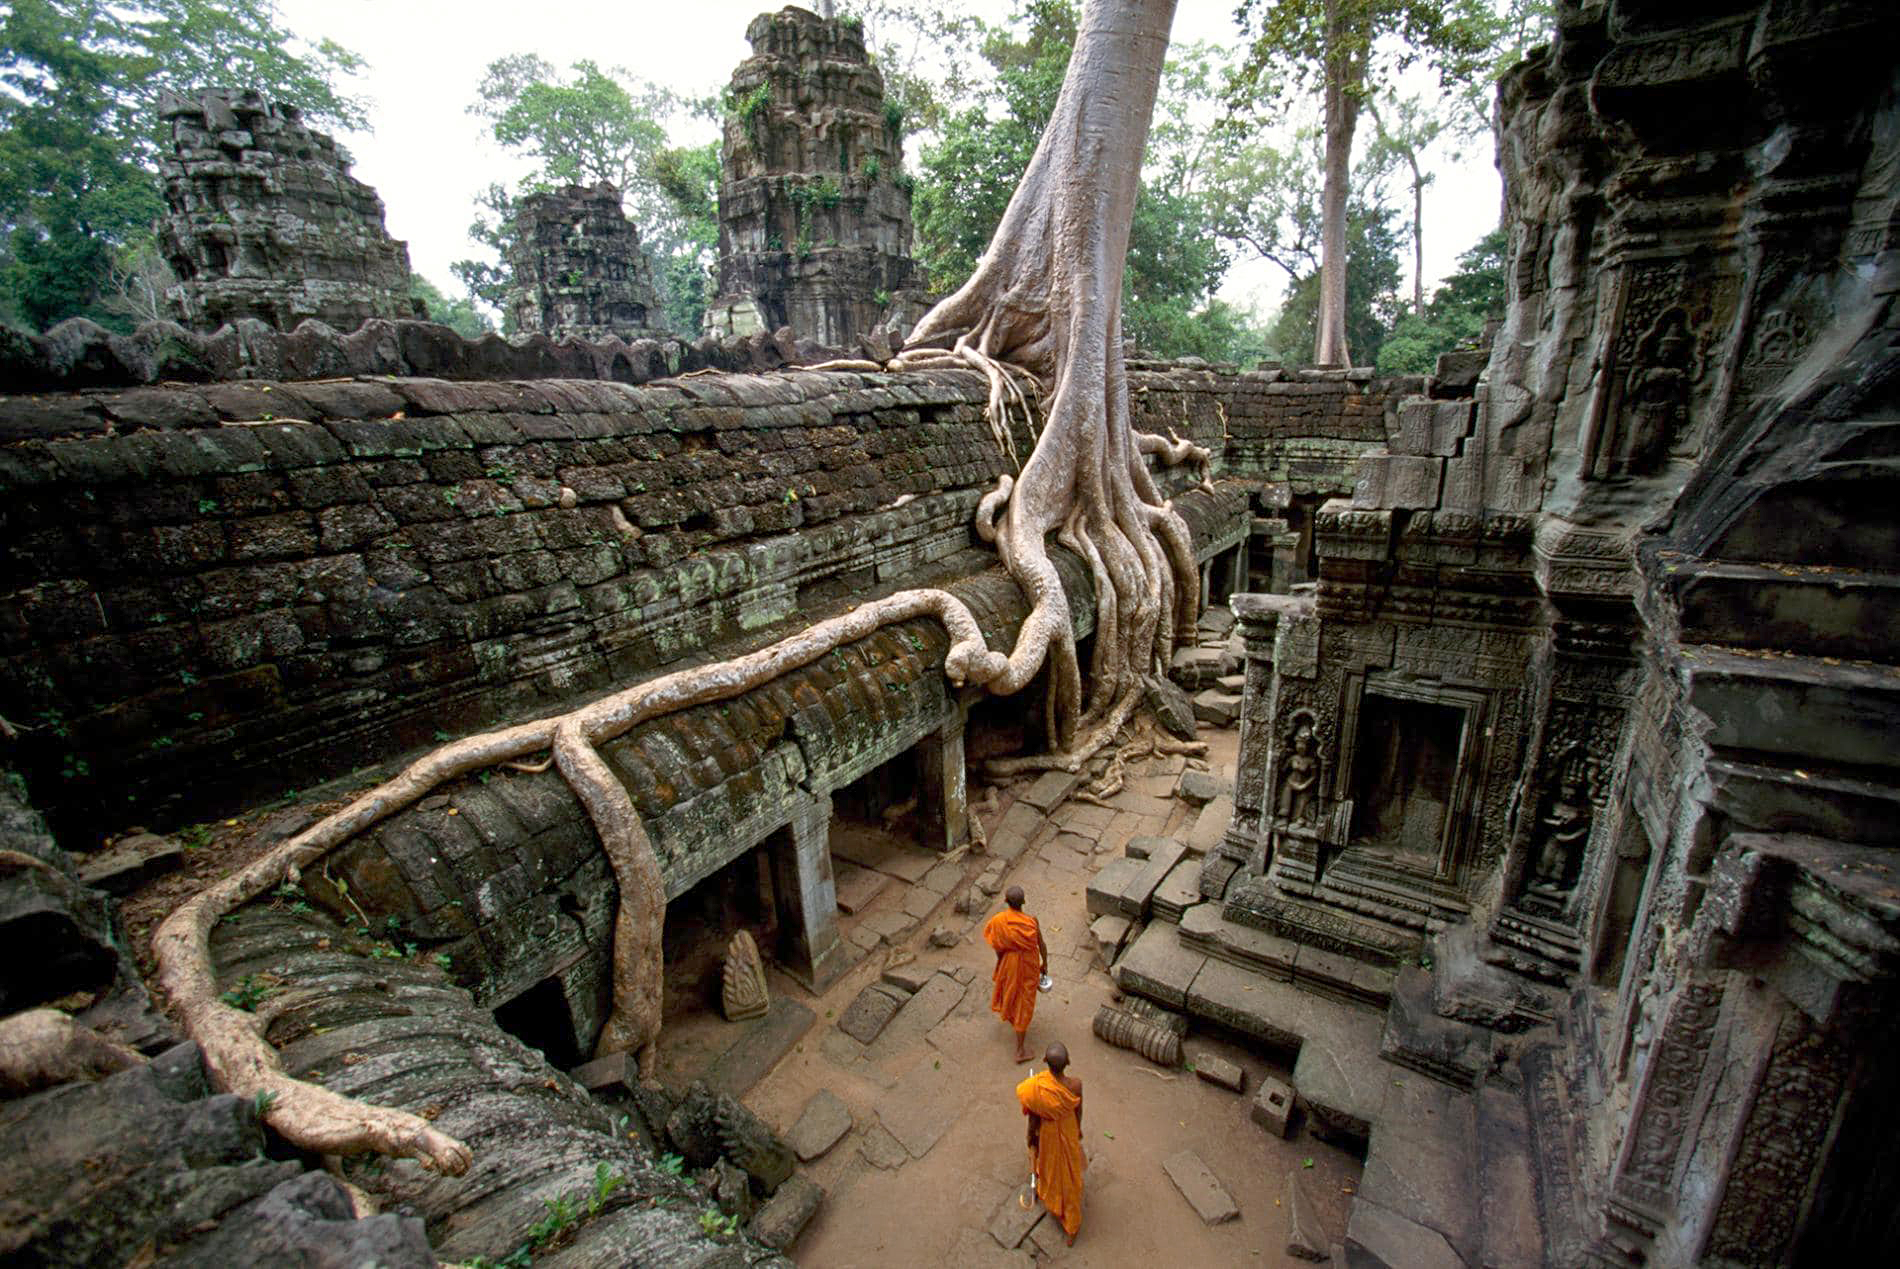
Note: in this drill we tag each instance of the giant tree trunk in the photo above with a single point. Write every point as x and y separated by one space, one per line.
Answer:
1345 69
1046 298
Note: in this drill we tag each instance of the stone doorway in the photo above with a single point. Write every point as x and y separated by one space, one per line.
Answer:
1414 751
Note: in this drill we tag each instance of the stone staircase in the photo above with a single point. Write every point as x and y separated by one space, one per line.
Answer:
1450 1177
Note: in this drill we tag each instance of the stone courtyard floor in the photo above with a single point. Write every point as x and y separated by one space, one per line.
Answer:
933 1159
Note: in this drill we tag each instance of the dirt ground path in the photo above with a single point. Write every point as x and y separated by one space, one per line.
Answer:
885 1206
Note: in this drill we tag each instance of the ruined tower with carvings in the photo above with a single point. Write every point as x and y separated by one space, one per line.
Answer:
578 267
814 205
266 221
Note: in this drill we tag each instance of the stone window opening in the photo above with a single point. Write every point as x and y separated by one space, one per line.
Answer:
540 1018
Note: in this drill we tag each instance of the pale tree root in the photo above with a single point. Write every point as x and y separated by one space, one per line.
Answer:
43 1047
238 1058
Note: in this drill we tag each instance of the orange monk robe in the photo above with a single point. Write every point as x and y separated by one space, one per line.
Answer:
1014 936
1058 1147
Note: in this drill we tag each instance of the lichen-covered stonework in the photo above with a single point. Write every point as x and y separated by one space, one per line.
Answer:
578 267
266 221
814 205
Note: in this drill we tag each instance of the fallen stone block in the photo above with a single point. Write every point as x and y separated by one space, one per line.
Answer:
1144 847
1171 707
1216 708
616 1073
1127 1030
1305 1238
823 1122
129 863
1050 790
865 1017
1377 1237
944 936
1211 825
1106 887
972 900
1200 1187
1235 683
1109 933
779 1223
881 1150
1198 788
1273 1105
908 978
1218 1070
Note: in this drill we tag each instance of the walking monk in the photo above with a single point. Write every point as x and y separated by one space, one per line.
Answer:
1022 958
1053 1102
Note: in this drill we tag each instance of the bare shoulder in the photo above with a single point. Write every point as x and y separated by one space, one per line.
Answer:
1072 1083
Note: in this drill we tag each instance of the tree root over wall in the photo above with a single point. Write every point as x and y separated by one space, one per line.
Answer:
1043 306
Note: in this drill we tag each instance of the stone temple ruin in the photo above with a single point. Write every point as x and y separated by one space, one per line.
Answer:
1553 878
267 223
578 268
814 207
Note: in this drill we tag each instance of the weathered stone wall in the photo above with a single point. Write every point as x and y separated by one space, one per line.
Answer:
228 589
578 267
814 208
1651 553
266 221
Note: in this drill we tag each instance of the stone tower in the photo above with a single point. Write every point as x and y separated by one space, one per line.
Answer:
267 222
578 267
814 213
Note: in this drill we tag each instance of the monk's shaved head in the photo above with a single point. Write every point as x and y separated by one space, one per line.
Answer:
1013 896
1057 1058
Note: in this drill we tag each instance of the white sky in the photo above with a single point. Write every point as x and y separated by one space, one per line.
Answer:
428 157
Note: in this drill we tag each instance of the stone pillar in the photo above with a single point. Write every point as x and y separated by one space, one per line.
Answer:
807 898
1284 543
942 798
1258 617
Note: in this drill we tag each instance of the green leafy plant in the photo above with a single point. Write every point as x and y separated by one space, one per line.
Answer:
717 1224
249 992
606 1181
871 167
262 1103
673 1165
207 505
443 961
753 104
894 117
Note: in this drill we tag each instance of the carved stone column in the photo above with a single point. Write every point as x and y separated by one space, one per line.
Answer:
1258 617
1283 544
807 896
942 797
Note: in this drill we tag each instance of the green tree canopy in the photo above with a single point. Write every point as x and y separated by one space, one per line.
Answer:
80 133
1455 314
1352 50
458 315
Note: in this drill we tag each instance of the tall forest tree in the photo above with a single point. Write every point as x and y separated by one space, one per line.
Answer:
1349 49
80 133
1044 305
